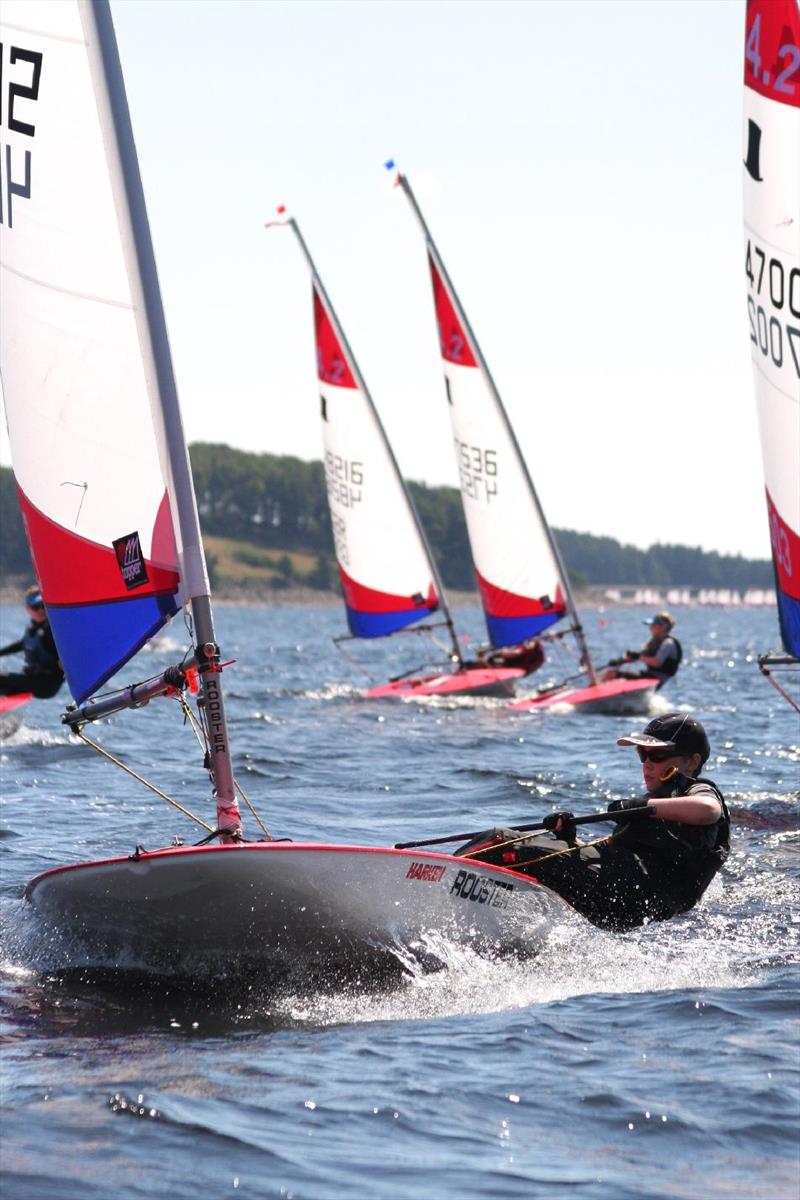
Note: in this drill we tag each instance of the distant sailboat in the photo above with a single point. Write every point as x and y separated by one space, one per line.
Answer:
389 577
105 486
524 586
772 268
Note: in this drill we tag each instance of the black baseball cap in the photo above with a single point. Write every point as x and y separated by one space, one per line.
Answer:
673 731
33 598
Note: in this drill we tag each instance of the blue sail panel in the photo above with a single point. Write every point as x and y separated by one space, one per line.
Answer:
95 640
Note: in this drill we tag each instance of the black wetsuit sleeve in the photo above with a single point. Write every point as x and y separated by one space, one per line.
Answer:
13 648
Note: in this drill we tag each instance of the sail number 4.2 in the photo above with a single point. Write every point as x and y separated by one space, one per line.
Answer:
478 471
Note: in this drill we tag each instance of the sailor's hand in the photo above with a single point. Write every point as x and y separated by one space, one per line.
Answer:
631 655
623 807
562 824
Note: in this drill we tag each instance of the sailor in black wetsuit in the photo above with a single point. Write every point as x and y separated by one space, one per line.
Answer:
655 864
42 674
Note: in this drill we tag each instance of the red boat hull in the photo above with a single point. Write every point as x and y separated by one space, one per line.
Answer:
614 696
479 681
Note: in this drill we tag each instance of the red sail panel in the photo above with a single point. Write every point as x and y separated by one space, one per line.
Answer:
73 570
785 552
452 338
332 365
772 50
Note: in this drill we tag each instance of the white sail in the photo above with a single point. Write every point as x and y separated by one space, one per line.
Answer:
519 579
388 578
94 424
772 267
523 583
79 379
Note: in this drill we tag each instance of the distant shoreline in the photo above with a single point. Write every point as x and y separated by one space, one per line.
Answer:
12 591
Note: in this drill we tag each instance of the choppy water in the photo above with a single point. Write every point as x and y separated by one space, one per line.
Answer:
659 1064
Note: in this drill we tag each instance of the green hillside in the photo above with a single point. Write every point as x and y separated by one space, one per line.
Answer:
266 525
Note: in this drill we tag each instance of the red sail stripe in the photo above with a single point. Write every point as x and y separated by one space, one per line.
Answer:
73 570
452 338
772 50
332 366
785 552
368 600
500 603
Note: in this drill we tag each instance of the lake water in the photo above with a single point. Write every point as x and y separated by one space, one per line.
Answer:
660 1064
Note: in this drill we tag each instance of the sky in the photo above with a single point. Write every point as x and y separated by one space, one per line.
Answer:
579 165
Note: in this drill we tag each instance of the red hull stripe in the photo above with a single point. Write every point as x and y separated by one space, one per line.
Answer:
332 366
452 338
73 570
772 50
500 603
367 599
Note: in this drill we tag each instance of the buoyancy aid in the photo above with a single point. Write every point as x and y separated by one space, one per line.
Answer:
671 664
689 856
39 648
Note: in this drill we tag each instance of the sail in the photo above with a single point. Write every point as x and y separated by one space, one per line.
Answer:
521 584
386 573
80 377
772 267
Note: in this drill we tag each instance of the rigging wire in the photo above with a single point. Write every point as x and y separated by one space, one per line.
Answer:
199 730
140 778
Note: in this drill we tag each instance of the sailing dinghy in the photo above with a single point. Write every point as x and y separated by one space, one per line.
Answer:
772 266
105 486
389 577
524 586
12 713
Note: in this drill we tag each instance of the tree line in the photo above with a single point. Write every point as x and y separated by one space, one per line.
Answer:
279 503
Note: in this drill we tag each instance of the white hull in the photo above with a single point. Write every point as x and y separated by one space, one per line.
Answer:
282 907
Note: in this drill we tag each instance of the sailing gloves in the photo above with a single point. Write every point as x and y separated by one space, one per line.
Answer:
562 824
631 655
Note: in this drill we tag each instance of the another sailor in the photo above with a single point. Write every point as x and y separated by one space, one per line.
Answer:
661 655
42 673
659 860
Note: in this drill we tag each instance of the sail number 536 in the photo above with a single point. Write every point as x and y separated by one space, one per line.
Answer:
478 470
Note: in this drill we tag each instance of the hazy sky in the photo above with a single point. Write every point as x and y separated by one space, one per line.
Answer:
580 168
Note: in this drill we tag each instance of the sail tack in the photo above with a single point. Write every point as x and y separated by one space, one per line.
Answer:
386 574
772 267
79 378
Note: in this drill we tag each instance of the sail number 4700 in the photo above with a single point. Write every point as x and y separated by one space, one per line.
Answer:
776 297
478 470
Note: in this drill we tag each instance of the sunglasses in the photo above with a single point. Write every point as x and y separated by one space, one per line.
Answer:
656 756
